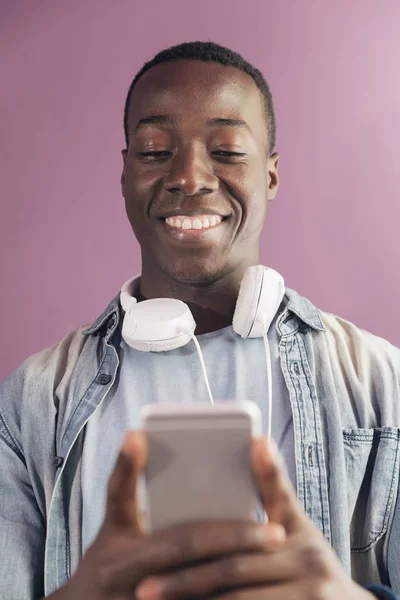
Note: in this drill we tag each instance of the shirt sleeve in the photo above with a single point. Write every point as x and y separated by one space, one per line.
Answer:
383 592
22 529
394 548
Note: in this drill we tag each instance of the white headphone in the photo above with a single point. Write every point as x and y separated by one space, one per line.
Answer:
163 324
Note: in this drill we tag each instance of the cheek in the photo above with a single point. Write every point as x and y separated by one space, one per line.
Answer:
254 193
256 213
137 182
135 204
139 188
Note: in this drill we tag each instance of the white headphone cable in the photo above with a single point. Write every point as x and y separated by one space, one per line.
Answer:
203 367
269 376
269 371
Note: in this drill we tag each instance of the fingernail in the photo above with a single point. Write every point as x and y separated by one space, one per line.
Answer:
150 589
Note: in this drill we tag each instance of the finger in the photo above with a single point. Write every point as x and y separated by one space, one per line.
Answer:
278 496
188 544
122 502
227 573
273 592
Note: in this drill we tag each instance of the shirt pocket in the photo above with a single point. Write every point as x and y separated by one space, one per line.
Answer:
372 466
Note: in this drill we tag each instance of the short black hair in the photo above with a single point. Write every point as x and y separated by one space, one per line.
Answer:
209 52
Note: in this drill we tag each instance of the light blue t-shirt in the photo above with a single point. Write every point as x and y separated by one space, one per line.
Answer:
236 370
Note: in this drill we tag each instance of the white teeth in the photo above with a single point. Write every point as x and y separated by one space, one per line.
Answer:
195 222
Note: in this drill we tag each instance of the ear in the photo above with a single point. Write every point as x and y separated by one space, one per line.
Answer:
124 155
273 177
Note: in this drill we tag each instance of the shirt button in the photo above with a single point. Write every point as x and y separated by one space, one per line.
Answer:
103 378
58 461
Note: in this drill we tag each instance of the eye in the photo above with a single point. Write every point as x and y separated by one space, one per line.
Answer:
227 154
155 154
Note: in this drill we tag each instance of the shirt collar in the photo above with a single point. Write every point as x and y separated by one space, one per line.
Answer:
304 310
108 320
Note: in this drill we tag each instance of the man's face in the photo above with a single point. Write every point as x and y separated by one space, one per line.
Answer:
198 157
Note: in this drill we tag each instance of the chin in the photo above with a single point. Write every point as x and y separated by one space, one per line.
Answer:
196 273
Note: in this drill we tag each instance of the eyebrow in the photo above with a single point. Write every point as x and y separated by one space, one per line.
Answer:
227 123
166 120
155 120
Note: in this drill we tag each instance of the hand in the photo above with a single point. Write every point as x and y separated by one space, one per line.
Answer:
123 555
303 568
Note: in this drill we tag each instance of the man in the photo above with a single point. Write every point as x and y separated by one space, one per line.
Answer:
200 136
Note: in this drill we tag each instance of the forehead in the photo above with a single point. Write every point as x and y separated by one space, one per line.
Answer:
189 89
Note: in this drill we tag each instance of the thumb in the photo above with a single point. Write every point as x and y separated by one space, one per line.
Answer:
277 494
122 491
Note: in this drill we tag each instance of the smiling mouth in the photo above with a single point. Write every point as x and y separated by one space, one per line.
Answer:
197 222
196 228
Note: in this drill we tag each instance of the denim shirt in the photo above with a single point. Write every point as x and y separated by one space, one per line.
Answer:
344 387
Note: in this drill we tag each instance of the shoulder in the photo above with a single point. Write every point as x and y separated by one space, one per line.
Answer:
53 366
38 390
359 364
35 382
49 363
342 339
364 369
364 350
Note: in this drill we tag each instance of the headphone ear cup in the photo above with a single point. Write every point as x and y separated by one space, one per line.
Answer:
247 301
260 295
156 346
158 325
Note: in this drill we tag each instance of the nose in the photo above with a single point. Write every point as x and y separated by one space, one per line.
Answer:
191 173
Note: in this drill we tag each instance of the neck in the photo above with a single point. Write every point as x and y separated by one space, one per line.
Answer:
212 304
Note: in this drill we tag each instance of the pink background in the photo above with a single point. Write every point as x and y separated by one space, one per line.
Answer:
65 243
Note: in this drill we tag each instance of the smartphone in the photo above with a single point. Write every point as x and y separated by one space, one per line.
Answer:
199 463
